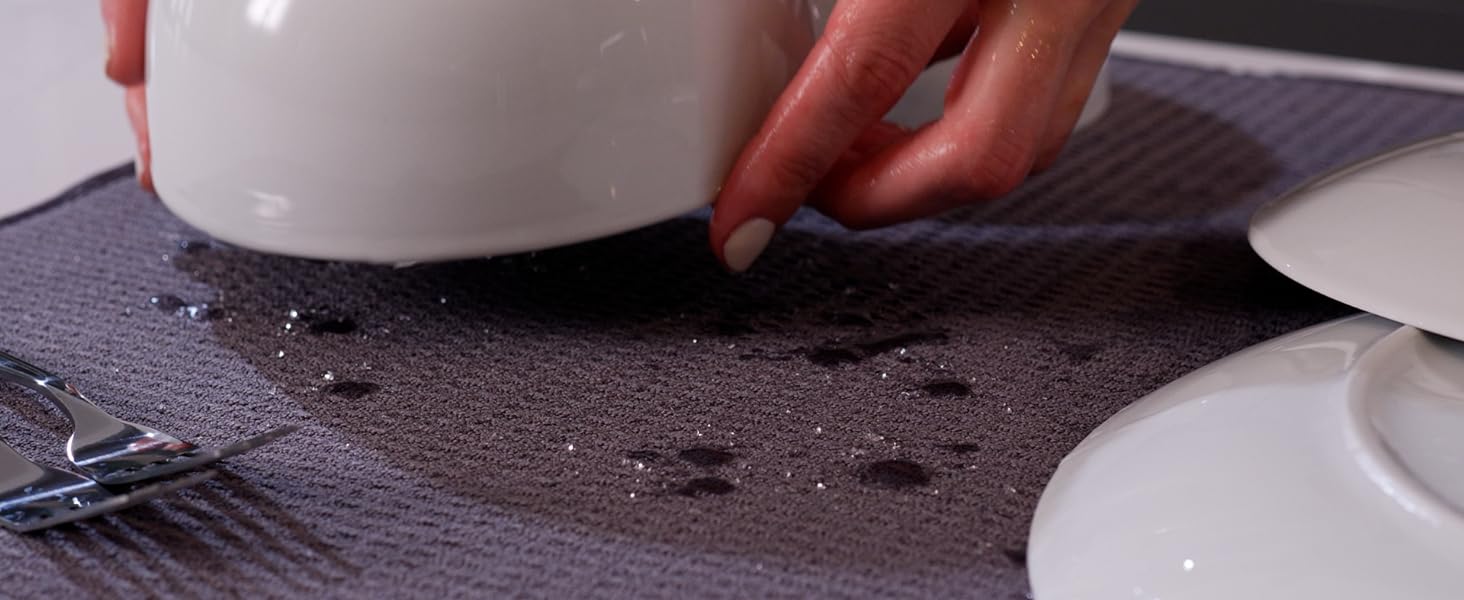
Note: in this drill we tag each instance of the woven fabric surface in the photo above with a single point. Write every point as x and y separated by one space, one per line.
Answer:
866 414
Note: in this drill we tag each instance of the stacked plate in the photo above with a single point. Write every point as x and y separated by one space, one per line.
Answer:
1328 463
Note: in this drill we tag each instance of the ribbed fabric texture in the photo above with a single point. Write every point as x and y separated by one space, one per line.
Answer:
868 414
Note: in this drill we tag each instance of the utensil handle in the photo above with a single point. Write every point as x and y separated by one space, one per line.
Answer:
76 407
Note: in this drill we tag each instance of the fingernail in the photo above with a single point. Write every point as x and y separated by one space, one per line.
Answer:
144 175
109 42
746 243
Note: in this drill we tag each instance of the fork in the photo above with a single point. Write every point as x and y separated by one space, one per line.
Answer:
34 497
112 451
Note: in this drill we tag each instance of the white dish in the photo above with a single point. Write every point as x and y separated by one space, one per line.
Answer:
1381 235
1325 464
391 131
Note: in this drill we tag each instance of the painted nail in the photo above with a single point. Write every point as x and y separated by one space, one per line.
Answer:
747 243
109 44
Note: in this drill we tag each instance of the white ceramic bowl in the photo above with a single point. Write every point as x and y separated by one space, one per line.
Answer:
393 130
1325 464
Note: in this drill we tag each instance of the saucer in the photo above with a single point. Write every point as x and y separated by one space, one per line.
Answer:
1323 464
1380 235
1328 463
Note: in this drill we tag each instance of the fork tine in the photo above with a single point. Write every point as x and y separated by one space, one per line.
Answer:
35 497
193 459
113 503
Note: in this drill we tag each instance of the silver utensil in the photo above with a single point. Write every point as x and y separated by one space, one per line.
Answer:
112 451
34 496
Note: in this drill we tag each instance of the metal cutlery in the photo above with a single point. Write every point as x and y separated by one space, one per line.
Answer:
34 496
112 451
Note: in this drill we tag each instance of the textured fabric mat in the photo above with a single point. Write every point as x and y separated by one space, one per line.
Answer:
865 414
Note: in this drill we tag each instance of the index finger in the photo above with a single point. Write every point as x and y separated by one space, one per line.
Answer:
868 56
126 23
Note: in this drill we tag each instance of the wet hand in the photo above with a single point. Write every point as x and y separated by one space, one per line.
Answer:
126 28
1019 90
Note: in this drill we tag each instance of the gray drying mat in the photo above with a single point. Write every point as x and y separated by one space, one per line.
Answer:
866 414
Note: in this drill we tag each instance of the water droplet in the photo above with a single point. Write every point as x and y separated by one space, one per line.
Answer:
644 456
831 356
324 322
352 390
965 448
884 375
329 376
893 474
569 447
442 300
1018 556
706 486
280 354
820 485
294 314
818 431
706 457
946 389
167 303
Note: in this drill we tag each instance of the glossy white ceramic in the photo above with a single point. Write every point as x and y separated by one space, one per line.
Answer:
1380 235
1325 464
389 131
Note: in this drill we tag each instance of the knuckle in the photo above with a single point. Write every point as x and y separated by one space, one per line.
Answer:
798 170
997 167
878 66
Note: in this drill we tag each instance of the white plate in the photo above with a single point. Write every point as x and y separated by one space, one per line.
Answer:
1324 464
1384 235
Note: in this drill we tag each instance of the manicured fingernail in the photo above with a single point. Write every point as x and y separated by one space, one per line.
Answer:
144 174
747 243
109 43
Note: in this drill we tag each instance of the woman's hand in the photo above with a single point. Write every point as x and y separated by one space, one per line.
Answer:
126 26
1019 89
